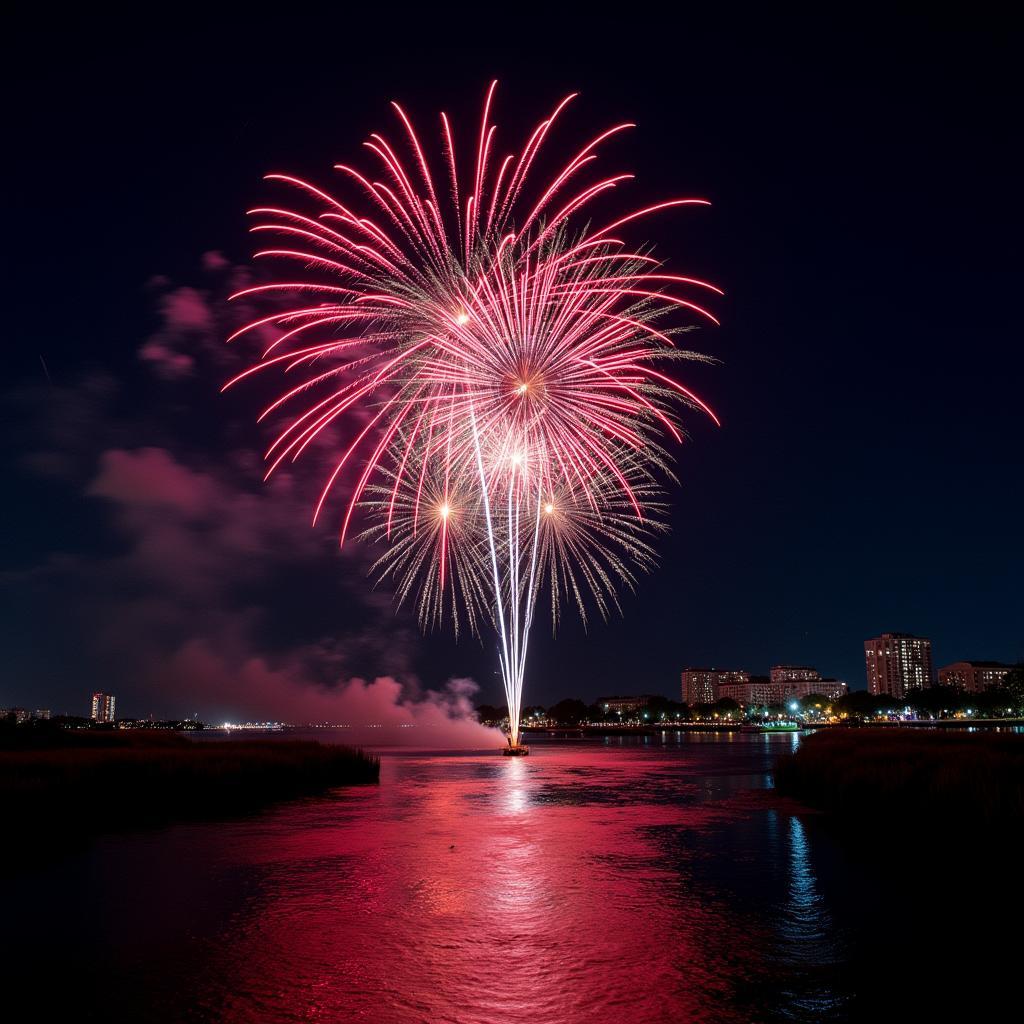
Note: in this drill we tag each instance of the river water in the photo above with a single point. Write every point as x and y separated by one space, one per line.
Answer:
623 880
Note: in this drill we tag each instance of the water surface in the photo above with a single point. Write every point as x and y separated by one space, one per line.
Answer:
624 880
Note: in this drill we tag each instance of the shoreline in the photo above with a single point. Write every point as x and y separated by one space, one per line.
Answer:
914 782
953 724
78 784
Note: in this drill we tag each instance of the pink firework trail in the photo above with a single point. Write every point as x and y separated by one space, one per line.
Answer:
507 364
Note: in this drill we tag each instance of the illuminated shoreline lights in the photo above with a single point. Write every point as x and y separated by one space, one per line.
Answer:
490 373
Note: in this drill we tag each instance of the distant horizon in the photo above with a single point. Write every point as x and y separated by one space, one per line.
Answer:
218 719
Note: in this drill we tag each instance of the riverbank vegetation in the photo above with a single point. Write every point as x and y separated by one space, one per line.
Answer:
70 781
910 779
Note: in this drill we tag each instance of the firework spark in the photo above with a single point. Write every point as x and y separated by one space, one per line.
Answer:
506 367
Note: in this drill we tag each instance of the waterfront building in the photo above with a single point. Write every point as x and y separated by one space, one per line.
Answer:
831 688
752 690
765 690
802 681
793 674
701 685
102 707
41 714
973 676
624 705
896 663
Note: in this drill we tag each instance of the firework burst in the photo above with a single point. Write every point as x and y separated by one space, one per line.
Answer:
507 367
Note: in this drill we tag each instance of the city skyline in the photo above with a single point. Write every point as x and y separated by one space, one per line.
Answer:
705 685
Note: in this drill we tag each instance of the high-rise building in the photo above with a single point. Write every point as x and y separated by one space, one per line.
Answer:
974 676
793 674
700 685
898 662
102 707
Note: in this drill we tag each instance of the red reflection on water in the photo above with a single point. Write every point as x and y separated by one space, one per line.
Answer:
481 890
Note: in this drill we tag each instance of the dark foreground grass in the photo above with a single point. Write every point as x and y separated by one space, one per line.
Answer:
910 780
83 782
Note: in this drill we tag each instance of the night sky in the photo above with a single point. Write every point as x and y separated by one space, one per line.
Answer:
866 227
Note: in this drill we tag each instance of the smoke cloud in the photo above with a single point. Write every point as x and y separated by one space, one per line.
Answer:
383 711
191 587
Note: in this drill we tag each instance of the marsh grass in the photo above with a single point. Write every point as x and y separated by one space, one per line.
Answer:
910 780
84 781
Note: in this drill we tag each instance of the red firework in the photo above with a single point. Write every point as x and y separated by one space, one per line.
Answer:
505 356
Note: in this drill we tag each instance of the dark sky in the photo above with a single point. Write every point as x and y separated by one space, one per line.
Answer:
866 227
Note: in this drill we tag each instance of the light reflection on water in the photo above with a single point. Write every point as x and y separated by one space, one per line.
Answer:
620 881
